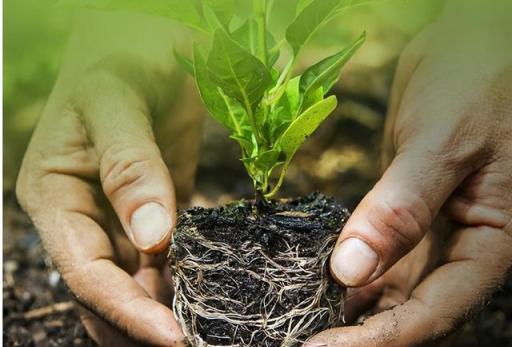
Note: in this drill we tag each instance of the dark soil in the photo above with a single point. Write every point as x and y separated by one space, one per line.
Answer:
309 226
37 307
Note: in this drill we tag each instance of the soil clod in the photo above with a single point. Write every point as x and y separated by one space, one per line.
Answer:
246 278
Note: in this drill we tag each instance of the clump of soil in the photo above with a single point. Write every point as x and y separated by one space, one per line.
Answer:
257 278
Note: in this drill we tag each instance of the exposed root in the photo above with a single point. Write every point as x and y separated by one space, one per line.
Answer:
42 312
272 319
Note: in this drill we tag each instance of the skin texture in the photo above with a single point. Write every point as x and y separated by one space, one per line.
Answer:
440 218
96 157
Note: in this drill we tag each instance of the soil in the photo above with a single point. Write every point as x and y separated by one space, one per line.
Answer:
248 277
37 306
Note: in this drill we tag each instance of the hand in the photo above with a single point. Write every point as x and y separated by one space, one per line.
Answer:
448 149
98 190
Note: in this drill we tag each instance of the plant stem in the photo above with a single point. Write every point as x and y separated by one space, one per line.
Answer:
260 200
283 80
260 11
250 115
279 182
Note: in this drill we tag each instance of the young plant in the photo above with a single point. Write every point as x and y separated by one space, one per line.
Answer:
268 111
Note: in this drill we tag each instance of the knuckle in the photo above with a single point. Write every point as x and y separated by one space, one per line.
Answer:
397 222
462 150
121 166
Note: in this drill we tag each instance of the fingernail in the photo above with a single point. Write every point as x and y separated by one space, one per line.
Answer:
150 224
353 262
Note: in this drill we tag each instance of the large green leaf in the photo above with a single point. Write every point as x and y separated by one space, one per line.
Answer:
247 36
326 72
240 74
222 109
182 11
304 125
309 20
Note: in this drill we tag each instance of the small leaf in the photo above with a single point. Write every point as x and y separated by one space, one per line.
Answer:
309 20
244 143
311 98
240 74
275 75
304 125
289 102
278 129
326 72
185 62
223 10
247 37
292 94
267 159
285 111
222 109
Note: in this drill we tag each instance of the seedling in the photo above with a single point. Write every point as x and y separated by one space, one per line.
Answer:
269 112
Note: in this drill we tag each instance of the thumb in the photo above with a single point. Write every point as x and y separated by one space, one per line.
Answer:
133 174
394 216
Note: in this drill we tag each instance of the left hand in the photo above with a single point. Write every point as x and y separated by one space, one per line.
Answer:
448 148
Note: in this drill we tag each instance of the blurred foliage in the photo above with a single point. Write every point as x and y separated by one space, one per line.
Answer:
36 31
34 37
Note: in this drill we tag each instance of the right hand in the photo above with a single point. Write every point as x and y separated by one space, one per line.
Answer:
96 187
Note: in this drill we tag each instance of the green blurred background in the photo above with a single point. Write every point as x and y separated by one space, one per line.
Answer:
36 31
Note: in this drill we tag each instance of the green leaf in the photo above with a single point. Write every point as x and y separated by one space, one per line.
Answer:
285 110
262 164
247 37
222 109
304 125
267 159
302 4
244 143
240 74
311 98
287 106
185 62
292 94
182 11
326 72
308 21
223 10
275 73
